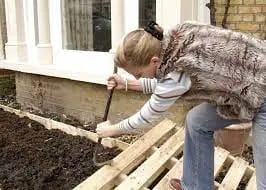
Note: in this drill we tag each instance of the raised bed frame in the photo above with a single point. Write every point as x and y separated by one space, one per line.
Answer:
151 161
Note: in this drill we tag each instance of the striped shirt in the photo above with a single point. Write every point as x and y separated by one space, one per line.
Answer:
164 94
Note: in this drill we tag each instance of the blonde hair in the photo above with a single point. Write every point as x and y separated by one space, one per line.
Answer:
137 49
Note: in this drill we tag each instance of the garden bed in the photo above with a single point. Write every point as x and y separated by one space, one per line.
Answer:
32 157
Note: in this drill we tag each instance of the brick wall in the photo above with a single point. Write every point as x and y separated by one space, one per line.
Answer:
244 15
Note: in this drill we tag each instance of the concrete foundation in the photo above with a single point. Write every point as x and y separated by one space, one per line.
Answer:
7 82
82 100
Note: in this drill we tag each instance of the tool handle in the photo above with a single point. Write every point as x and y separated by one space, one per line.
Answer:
107 107
108 103
109 99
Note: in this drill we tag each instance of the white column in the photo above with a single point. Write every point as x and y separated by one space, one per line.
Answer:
16 47
131 18
2 56
44 51
172 12
2 18
203 12
117 21
187 11
168 13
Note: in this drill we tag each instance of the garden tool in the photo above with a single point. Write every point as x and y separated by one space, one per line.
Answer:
99 143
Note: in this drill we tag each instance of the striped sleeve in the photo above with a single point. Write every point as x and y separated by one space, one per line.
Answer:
148 85
166 92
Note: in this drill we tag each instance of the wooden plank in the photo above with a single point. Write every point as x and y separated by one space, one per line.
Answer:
145 174
127 160
51 124
111 142
252 183
175 172
123 177
220 155
234 175
69 129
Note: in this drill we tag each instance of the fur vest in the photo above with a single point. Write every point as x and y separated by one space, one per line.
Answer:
226 68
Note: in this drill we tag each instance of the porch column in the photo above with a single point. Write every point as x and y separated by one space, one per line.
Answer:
2 56
2 25
44 48
16 47
117 20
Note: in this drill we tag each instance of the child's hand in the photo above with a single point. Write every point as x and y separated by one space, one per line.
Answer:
116 81
105 129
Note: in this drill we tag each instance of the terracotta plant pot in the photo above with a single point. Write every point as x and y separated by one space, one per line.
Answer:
233 138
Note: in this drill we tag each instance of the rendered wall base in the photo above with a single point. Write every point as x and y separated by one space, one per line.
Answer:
7 82
85 101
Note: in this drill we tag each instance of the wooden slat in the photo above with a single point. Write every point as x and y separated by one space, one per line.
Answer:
69 129
145 174
127 160
252 183
175 172
51 124
220 156
234 175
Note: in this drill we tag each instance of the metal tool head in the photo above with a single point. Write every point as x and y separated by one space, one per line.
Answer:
97 154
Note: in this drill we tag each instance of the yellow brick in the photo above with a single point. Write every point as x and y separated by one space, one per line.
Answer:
236 2
219 2
221 9
219 24
263 28
261 18
232 9
232 26
248 17
248 2
249 9
219 18
234 18
247 27
260 2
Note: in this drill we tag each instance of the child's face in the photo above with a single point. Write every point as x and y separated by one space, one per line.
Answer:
148 71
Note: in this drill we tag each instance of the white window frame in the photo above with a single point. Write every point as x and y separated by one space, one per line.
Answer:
91 66
97 65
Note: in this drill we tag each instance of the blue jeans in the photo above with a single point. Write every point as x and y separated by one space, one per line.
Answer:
198 168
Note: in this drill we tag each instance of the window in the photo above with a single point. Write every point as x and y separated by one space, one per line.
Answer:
86 25
147 12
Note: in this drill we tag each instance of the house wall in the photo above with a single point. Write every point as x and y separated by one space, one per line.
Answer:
85 101
244 15
7 82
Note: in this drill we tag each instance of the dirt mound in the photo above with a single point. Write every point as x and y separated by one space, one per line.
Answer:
32 157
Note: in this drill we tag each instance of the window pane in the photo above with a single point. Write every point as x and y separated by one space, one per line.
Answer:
86 25
147 12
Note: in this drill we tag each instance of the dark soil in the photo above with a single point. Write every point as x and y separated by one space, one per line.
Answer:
32 157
